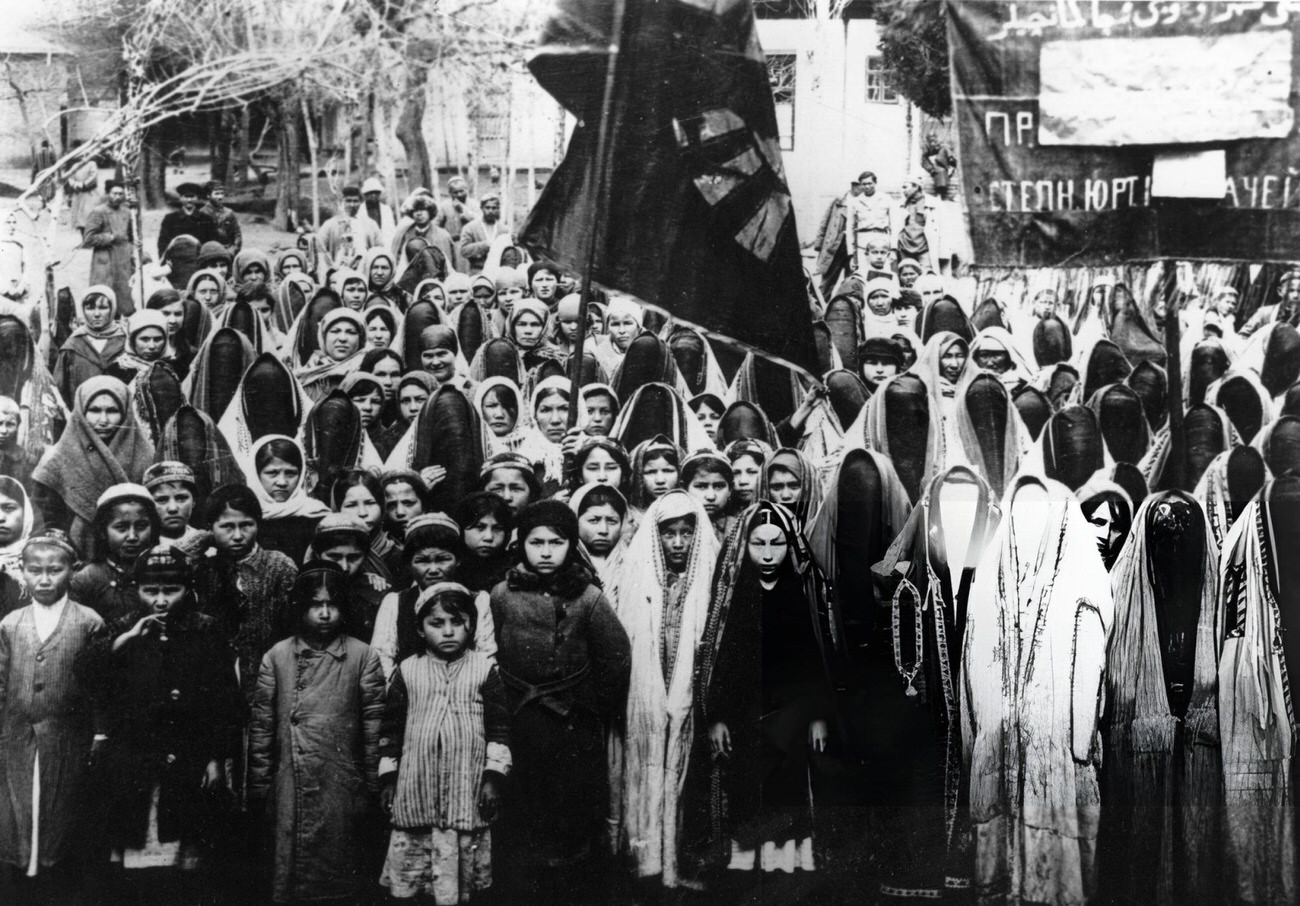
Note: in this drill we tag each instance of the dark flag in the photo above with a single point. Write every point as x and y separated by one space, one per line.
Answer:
700 222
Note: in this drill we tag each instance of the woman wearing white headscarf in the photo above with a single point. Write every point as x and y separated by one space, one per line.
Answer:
664 606
341 344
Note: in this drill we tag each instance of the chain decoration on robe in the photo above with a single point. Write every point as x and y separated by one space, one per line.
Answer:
908 674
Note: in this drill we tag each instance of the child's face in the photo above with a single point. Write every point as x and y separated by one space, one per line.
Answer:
11 519
175 503
676 538
485 537
347 554
600 414
545 549
877 255
709 418
234 533
602 468
359 502
876 370
128 531
47 572
322 621
446 634
659 476
600 527
746 471
433 564
510 486
712 490
368 406
161 597
401 503
354 294
784 487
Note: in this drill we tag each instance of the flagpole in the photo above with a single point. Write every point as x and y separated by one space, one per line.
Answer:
598 208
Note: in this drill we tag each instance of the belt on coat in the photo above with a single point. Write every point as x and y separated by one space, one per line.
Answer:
536 692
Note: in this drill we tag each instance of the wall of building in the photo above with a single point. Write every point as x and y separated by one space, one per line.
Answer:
837 133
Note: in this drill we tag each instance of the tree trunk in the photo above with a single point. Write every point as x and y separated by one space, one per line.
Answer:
385 159
223 132
153 170
410 128
239 164
288 188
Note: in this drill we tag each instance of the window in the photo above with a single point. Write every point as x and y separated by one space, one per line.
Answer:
880 90
781 75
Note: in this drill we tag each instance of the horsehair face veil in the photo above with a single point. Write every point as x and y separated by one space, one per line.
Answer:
987 314
241 317
646 361
500 358
308 339
847 395
271 402
688 350
945 314
1205 437
590 371
192 437
773 389
907 429
1209 362
1245 473
1061 384
1106 365
653 411
1052 342
1123 423
745 420
332 437
844 319
419 316
227 361
826 352
16 356
1129 477
860 534
1239 399
1291 401
1281 365
471 328
1072 447
1151 384
986 408
448 435
1034 409
161 397
1282 447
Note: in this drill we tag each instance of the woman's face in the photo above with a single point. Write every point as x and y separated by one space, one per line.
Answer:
10 422
174 316
953 361
880 303
150 343
497 415
207 292
768 549
11 519
279 479
545 550
411 400
291 265
601 468
507 296
658 476
381 271
433 564
359 502
104 416
401 503
712 490
511 487
254 274
129 531
622 329
784 487
544 285
528 330
378 336
441 363
1105 527
98 312
388 372
368 405
342 340
354 294
600 528
709 418
906 315
746 471
485 536
552 416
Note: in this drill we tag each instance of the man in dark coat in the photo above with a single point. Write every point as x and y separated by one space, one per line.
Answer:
110 231
832 255
189 220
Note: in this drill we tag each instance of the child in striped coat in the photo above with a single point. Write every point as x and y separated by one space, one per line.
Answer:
444 745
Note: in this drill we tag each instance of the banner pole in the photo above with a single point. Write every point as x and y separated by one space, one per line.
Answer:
1173 376
598 206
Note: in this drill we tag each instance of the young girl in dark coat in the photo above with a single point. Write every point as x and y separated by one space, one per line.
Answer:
173 715
565 660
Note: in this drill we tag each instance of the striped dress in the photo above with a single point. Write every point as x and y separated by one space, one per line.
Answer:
445 725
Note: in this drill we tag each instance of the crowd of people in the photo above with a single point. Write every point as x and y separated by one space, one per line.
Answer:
311 592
